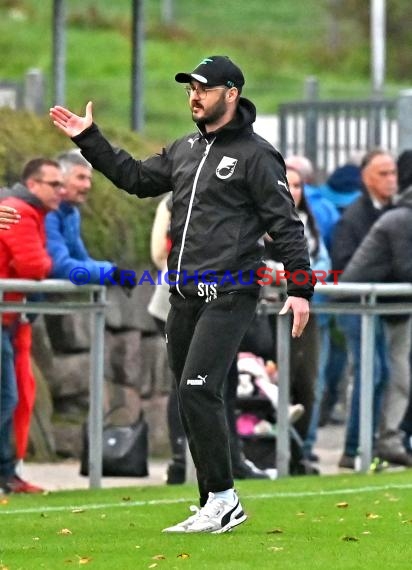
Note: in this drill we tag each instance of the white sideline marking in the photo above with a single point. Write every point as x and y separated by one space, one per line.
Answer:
276 495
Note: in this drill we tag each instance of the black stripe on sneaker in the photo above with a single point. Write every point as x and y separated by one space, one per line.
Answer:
226 518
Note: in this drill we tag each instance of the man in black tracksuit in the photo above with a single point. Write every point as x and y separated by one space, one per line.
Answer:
229 188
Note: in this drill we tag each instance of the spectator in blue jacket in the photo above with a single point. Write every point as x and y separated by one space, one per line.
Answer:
343 186
63 226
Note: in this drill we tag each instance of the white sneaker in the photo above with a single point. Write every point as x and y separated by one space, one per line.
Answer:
296 411
184 525
218 516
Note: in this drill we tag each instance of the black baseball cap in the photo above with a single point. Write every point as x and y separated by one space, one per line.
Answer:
214 70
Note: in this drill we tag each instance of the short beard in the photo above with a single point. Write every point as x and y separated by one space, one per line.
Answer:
214 114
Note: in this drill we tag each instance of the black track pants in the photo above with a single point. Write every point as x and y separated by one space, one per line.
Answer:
202 340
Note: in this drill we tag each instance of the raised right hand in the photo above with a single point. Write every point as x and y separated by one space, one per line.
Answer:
68 122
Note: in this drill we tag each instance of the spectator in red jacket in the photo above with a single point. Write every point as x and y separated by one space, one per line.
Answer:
23 255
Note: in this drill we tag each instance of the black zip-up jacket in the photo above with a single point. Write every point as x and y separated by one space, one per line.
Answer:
351 229
385 253
384 256
229 188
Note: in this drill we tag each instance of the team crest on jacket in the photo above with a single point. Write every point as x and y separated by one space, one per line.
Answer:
226 167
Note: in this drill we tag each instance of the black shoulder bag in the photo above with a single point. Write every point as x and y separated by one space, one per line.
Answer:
125 449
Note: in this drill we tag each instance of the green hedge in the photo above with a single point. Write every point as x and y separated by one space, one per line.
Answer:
116 226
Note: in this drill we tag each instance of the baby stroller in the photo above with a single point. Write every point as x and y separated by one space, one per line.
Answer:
257 398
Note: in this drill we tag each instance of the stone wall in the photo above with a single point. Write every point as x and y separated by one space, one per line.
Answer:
136 374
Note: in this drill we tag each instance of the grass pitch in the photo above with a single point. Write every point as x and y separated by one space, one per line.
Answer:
329 522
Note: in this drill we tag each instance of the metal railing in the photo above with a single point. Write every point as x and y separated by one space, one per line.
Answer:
329 132
96 306
367 307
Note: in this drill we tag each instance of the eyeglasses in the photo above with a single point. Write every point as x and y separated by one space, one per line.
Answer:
201 92
56 184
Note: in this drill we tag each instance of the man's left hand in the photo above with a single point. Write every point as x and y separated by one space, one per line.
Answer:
300 309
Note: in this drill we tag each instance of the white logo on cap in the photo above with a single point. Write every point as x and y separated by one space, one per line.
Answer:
198 77
226 167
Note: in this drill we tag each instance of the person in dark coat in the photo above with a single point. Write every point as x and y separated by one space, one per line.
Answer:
379 179
385 256
229 188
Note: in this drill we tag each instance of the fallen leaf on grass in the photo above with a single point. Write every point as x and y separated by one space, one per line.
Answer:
407 521
372 516
126 498
2 567
4 502
159 557
275 531
342 505
301 514
65 531
366 532
391 497
84 559
184 555
152 565
275 548
76 511
350 539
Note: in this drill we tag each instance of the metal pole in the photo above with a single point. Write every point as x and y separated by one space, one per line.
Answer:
34 91
311 94
311 88
190 471
283 355
96 391
378 49
366 389
167 15
59 52
405 120
137 118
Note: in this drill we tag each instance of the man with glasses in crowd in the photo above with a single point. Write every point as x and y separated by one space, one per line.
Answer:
229 188
63 226
23 255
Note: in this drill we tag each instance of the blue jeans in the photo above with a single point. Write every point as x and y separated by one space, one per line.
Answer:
351 327
8 401
335 371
